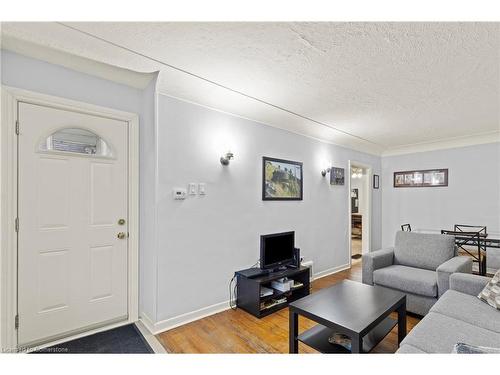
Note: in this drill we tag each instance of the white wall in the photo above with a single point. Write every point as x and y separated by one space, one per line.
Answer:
472 197
148 261
203 240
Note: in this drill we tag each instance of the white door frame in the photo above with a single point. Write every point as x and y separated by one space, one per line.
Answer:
369 190
8 204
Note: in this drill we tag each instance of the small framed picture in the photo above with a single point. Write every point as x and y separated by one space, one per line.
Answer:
438 178
337 176
376 181
399 179
409 179
418 178
421 178
427 178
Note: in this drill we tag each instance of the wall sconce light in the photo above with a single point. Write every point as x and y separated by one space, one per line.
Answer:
325 171
224 159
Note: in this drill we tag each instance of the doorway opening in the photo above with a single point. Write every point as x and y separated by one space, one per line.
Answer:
360 210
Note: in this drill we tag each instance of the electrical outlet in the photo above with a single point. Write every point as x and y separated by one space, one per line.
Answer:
202 188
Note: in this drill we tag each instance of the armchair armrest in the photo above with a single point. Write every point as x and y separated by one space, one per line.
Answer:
467 283
451 266
374 261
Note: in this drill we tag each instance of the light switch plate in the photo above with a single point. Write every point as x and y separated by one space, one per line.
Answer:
192 188
202 188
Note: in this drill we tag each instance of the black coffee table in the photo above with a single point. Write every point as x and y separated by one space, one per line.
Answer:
357 310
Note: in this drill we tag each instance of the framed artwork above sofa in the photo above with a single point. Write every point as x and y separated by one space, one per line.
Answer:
421 178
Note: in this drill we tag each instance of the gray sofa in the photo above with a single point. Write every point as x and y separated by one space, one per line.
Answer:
458 317
419 265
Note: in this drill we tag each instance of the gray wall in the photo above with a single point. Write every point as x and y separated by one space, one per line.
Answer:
472 197
203 240
35 75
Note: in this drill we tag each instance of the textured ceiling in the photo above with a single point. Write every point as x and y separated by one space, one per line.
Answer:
385 84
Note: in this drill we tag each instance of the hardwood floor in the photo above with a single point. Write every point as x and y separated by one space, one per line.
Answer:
235 331
356 246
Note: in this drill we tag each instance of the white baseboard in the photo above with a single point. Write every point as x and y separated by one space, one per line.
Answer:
150 338
179 320
148 322
331 271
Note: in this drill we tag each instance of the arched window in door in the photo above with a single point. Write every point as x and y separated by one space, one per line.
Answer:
76 141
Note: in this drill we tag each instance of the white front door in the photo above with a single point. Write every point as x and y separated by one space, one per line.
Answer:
72 265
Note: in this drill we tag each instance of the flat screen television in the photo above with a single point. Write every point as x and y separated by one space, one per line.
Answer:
277 250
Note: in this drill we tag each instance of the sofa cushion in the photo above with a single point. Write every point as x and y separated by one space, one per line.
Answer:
469 309
423 250
407 279
438 333
462 348
468 283
491 292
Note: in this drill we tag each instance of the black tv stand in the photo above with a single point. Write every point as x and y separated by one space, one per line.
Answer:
249 290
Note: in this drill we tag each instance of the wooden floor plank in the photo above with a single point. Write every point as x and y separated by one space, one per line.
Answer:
235 331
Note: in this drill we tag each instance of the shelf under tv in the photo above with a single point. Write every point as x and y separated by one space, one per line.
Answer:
249 290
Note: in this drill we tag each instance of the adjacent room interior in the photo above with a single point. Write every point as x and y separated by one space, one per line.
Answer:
360 211
250 187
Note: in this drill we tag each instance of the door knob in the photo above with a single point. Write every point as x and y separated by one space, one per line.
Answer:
121 235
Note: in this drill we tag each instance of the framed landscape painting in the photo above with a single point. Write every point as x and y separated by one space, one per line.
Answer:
281 180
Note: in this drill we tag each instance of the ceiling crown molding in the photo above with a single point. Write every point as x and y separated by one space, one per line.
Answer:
81 64
471 140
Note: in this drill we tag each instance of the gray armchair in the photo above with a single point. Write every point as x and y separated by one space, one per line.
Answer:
419 265
492 259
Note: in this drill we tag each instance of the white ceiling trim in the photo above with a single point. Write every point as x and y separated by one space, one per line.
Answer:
477 139
138 80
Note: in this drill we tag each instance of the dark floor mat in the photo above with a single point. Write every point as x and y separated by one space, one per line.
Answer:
126 340
356 256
